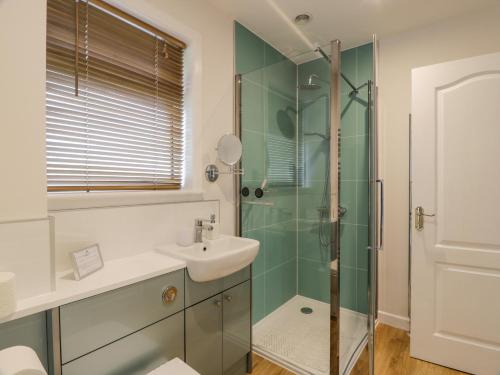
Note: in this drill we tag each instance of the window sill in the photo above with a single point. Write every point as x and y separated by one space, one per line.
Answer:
83 200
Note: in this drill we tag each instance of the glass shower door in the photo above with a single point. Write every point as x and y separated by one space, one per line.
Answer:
355 259
284 117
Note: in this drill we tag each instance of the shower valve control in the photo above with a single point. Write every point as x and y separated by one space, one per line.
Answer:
259 193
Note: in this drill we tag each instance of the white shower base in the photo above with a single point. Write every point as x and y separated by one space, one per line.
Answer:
301 342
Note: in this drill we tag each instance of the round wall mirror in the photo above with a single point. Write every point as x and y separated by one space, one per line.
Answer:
229 149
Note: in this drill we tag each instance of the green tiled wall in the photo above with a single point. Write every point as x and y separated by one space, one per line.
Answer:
356 64
285 147
314 130
269 147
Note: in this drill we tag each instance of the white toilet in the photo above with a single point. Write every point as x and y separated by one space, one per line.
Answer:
21 360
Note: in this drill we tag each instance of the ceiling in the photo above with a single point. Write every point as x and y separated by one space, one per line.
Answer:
351 21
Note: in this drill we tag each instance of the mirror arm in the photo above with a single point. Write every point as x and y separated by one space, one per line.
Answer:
212 172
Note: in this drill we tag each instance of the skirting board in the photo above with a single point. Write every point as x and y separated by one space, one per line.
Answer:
393 320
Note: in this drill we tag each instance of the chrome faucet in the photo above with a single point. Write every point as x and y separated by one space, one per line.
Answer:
199 226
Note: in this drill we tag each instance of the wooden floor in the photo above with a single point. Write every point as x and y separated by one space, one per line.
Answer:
392 357
262 366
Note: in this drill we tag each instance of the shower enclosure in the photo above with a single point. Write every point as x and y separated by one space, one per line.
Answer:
305 195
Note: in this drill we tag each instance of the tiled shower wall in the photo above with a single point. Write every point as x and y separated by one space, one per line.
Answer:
357 65
290 160
269 160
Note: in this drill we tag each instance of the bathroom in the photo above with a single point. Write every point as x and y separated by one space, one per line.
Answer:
219 187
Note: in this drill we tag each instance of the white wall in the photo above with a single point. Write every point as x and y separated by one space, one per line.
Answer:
23 196
456 38
22 110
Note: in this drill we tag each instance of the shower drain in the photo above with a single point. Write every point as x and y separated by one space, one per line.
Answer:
306 310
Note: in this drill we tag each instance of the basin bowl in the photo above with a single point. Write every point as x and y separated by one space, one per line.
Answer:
213 259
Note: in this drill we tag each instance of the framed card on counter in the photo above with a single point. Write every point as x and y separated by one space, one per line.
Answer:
86 261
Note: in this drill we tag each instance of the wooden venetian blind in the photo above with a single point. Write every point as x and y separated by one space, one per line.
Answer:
114 100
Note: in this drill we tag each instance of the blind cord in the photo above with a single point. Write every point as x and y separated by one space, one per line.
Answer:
157 82
87 95
77 43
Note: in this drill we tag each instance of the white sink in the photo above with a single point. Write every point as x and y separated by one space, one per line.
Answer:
214 259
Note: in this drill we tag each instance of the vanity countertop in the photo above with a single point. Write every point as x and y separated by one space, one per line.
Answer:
115 274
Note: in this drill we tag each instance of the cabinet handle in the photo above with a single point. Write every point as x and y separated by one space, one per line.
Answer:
168 295
228 298
218 303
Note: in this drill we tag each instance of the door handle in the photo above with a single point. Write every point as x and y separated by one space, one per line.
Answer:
381 226
419 218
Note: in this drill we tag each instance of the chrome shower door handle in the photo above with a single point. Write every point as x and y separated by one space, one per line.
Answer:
419 218
380 244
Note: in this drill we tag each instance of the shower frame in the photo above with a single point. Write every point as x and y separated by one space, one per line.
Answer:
375 202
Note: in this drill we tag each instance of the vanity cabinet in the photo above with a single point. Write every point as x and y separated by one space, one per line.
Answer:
93 322
136 354
135 329
236 332
204 336
218 332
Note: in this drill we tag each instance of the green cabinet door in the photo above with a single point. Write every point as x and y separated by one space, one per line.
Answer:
204 336
237 328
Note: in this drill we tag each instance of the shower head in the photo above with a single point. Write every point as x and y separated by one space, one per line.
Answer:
310 85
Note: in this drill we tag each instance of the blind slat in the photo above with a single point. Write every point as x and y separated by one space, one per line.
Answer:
123 127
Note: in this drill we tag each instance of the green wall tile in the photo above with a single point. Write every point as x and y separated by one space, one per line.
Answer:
254 155
348 200
281 121
252 216
362 203
284 209
362 160
348 245
316 155
314 280
281 245
348 67
348 158
314 116
280 78
249 50
348 288
272 56
360 106
308 240
259 264
310 199
252 105
258 298
348 116
362 291
362 247
281 285
364 63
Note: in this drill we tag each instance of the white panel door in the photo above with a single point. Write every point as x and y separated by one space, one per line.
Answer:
455 302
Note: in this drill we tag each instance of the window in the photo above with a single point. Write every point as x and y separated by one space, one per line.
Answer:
115 116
